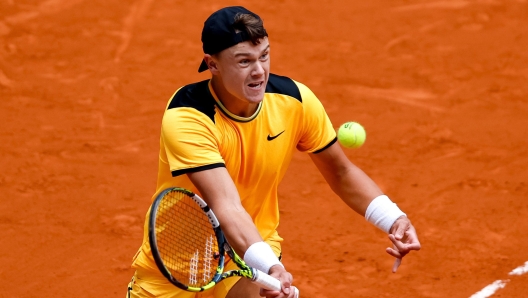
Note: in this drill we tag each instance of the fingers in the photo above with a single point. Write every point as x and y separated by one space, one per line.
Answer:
413 246
404 239
293 293
400 226
399 251
286 279
397 264
412 240
269 293
405 247
402 246
400 231
397 243
286 289
394 253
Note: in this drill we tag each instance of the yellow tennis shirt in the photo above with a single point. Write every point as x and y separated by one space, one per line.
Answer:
198 133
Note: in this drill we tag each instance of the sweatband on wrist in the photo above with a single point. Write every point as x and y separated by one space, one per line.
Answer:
382 213
260 256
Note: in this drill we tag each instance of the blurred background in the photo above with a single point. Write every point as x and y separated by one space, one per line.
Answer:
441 88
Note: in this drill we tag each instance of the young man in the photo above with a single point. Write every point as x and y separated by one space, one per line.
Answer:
231 139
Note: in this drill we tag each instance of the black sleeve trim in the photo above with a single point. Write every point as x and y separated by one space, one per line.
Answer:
325 147
198 169
283 85
196 96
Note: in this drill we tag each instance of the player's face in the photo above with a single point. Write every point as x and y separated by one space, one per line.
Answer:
244 70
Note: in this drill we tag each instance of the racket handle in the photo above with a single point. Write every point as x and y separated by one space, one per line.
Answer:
268 282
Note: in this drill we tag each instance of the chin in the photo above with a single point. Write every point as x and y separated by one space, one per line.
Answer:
255 99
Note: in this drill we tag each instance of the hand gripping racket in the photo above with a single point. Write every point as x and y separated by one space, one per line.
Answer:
189 246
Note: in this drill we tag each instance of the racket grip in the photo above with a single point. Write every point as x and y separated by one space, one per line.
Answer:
268 282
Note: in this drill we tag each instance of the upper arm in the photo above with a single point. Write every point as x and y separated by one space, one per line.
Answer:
217 189
190 141
332 162
317 132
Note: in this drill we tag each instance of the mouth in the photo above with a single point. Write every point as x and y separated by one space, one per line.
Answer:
256 85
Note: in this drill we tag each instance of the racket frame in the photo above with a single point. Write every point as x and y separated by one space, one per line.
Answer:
215 225
253 274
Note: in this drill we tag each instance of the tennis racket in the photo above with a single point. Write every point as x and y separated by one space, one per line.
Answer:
189 246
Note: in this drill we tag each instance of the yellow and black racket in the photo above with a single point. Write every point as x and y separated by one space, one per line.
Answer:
189 246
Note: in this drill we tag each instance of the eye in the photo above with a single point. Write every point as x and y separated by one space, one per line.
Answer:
244 61
264 56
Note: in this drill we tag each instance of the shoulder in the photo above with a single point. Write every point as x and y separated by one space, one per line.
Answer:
289 87
196 96
284 86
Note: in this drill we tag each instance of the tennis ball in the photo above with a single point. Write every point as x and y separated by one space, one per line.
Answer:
351 135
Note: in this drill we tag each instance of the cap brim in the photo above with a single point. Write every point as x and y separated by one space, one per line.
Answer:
203 66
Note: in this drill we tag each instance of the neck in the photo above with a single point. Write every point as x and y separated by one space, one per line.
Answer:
233 104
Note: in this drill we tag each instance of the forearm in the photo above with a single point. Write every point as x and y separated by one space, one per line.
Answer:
238 228
219 191
354 187
360 192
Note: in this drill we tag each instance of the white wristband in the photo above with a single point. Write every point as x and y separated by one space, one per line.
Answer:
260 256
382 213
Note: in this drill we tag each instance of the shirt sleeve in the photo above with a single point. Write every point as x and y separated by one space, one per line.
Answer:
190 140
317 132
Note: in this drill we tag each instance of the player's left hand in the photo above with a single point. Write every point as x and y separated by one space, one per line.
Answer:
404 240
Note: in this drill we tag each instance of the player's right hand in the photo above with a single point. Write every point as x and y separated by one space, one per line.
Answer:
286 279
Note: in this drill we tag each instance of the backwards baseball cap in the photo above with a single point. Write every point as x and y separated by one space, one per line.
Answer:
219 34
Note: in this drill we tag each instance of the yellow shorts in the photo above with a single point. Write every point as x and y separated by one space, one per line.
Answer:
147 283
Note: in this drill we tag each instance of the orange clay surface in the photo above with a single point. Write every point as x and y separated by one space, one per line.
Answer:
440 86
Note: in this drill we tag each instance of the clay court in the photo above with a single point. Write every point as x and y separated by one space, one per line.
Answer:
441 88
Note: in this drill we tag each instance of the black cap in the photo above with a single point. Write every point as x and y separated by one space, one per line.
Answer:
219 34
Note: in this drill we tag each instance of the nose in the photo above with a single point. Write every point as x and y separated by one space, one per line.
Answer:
258 69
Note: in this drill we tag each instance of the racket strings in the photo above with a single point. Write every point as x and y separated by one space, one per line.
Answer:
186 240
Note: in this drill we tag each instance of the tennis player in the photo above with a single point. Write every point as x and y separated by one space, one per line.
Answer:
231 139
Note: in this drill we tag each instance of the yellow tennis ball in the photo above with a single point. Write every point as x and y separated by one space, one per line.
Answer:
351 135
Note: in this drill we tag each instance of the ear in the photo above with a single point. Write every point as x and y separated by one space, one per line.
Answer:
211 63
